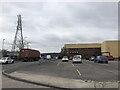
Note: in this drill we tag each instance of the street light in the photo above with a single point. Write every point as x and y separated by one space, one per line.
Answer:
28 44
3 47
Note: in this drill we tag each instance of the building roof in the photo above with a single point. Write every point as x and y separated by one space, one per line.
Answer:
112 41
92 45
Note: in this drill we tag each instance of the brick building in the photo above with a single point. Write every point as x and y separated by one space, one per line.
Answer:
87 50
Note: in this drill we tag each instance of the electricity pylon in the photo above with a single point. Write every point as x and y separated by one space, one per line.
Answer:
18 39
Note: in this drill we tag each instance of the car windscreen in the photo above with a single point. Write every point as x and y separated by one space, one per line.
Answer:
65 57
76 57
103 58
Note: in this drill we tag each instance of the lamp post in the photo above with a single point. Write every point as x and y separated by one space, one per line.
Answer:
28 44
3 47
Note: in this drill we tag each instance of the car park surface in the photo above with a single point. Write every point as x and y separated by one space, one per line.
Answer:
86 71
49 71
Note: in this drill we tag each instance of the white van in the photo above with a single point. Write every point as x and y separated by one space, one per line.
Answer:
48 57
77 58
65 59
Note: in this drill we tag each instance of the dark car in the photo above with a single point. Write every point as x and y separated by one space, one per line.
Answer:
101 59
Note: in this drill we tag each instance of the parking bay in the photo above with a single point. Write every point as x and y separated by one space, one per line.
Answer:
88 70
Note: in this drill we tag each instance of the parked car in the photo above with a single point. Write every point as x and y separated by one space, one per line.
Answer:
101 59
87 58
70 58
92 58
77 58
65 58
110 58
6 60
48 57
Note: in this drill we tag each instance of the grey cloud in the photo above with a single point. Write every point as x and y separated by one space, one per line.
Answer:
25 8
102 15
48 26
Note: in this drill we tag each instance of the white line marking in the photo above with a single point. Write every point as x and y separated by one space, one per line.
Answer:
72 64
111 72
79 72
58 64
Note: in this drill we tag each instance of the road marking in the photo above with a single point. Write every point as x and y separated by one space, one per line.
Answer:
58 64
111 72
79 72
72 64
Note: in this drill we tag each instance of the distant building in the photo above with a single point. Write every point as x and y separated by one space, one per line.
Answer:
92 49
111 47
86 50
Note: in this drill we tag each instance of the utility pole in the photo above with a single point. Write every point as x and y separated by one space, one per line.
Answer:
3 47
18 39
28 44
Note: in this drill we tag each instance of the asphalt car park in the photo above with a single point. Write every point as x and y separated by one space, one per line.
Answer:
87 70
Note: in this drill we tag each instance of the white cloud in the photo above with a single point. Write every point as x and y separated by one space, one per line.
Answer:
49 25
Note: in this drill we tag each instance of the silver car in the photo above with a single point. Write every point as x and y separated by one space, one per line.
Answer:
77 58
6 60
65 59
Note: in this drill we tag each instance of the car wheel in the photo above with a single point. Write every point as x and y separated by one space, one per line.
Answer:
12 62
98 61
6 62
106 62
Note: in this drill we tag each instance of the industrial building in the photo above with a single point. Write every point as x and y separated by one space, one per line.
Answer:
86 50
111 48
92 49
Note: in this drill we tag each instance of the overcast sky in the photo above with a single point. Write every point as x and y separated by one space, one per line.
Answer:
50 25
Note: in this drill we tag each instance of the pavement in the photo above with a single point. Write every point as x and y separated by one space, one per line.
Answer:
59 82
11 83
